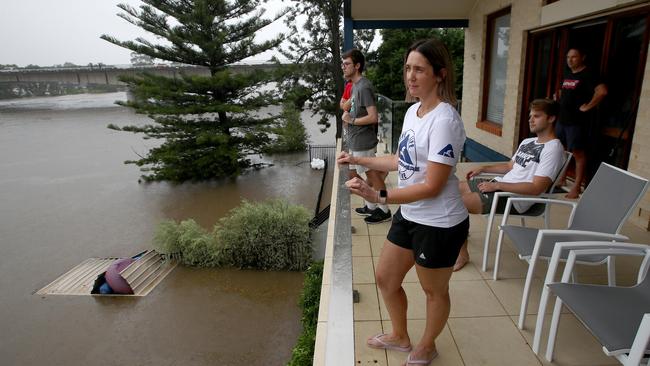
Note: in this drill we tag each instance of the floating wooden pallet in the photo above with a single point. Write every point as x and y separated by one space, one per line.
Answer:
143 275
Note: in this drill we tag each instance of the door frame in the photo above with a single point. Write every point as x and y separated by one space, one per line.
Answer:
559 45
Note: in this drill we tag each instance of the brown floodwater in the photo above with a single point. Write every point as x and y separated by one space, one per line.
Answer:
65 195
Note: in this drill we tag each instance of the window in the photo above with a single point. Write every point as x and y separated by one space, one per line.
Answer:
496 59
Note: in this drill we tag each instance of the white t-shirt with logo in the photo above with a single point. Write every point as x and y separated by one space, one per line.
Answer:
534 159
437 137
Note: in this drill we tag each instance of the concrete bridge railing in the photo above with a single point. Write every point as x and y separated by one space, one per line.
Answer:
109 75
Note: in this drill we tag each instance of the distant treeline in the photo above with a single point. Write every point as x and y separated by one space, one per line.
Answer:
66 65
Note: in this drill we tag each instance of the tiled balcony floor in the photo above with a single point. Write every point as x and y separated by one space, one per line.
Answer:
482 325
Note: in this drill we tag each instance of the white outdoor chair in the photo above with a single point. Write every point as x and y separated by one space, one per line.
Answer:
536 210
619 317
599 215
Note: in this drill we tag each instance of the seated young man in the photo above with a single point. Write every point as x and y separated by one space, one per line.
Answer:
531 170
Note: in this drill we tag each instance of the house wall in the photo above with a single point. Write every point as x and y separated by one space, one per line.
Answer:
640 155
526 15
563 10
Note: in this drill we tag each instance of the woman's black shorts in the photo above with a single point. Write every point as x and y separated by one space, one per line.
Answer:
433 247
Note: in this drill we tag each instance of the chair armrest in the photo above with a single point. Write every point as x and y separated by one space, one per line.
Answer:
543 199
560 233
488 175
501 194
543 196
533 199
584 235
587 248
574 254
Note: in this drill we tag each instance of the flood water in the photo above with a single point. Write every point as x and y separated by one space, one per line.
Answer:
66 195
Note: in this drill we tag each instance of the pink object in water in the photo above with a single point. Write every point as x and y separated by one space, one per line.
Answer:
115 280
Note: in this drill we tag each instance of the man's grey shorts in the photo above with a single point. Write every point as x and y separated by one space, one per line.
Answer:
364 153
488 197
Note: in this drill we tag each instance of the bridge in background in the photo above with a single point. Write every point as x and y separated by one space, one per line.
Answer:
109 75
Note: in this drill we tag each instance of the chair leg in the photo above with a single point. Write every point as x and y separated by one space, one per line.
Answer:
552 333
640 343
543 301
497 256
539 325
486 244
611 271
488 232
547 219
526 295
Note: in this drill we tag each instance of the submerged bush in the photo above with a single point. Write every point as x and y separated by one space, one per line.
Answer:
165 239
198 247
266 235
195 245
271 235
303 352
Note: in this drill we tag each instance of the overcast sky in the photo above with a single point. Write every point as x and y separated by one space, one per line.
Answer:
46 32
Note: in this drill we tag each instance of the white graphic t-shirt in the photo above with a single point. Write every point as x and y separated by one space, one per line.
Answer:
437 137
534 159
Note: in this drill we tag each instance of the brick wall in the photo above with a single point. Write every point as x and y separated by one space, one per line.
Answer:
640 155
524 14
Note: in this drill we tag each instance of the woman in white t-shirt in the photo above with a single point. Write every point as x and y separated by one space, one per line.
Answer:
432 222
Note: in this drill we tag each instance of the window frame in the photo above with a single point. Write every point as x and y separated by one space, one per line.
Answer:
483 123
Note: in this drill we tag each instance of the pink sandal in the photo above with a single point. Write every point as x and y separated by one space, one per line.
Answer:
379 344
410 361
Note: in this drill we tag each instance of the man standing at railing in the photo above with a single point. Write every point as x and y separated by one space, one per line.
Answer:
361 124
531 170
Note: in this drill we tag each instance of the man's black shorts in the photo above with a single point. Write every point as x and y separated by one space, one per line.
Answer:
433 247
573 137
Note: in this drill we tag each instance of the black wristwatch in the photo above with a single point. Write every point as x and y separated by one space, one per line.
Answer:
383 196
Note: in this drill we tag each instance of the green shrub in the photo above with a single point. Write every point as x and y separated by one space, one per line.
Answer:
266 235
303 352
196 246
165 239
271 235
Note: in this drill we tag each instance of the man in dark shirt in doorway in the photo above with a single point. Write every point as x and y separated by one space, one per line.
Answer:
581 91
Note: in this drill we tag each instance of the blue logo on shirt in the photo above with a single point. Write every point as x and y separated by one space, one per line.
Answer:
408 159
447 151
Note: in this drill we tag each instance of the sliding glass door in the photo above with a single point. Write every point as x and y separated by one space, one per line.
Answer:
616 46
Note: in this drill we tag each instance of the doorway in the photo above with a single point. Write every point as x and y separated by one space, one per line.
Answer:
616 46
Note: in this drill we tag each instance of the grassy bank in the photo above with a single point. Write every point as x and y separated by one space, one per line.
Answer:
303 352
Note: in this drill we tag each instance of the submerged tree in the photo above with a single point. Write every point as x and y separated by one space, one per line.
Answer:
207 123
314 46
